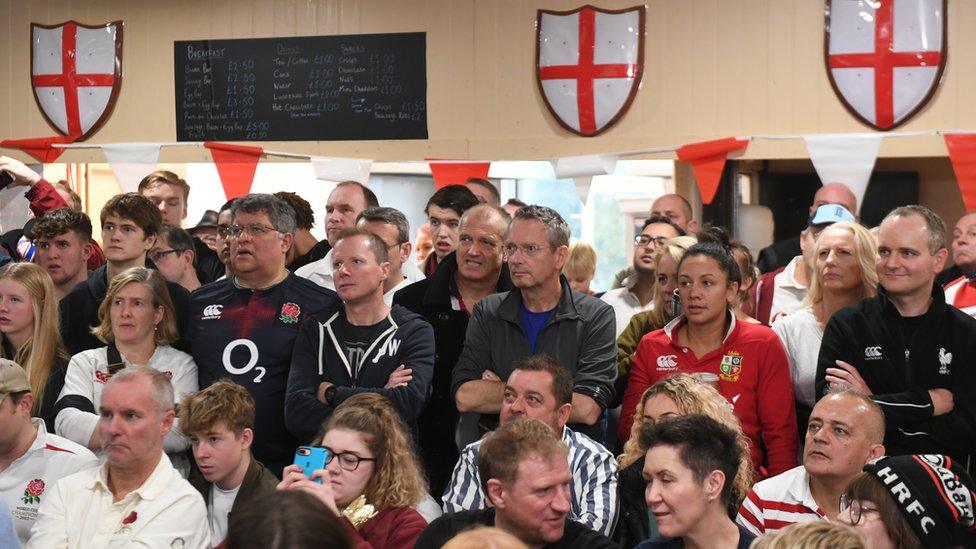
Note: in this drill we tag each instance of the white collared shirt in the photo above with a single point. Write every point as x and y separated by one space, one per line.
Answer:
788 293
28 480
625 303
79 513
320 272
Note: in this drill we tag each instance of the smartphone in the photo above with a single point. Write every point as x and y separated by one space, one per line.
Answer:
5 179
675 305
310 459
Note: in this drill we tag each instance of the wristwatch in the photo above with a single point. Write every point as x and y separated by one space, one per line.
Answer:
329 393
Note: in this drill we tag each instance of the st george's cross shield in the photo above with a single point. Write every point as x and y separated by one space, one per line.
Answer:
885 57
76 72
589 65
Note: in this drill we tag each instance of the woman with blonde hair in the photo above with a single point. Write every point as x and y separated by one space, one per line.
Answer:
372 479
580 267
29 333
675 396
137 326
843 274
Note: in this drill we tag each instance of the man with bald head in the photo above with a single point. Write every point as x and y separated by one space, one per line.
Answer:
846 430
447 299
960 279
778 254
906 348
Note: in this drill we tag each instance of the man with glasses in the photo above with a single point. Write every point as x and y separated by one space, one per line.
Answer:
846 430
130 227
541 315
243 327
637 291
173 256
362 346
392 227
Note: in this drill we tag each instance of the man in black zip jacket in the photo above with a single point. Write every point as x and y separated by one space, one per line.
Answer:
361 346
446 300
906 347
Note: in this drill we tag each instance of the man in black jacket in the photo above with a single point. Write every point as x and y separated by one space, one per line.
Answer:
447 300
361 346
906 347
130 225
541 315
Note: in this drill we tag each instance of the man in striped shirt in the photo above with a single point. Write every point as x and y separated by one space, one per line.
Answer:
541 388
846 430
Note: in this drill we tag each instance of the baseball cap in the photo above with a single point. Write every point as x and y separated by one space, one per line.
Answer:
934 494
831 213
13 378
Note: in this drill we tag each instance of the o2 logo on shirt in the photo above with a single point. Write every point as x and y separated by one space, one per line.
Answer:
251 361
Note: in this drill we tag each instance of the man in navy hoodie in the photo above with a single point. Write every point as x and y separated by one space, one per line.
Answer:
362 346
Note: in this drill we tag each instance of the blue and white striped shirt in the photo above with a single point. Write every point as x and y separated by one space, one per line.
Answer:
594 486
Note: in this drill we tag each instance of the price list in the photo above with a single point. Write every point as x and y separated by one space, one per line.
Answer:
346 87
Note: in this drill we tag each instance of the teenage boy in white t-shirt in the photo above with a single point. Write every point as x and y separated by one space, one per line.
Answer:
219 421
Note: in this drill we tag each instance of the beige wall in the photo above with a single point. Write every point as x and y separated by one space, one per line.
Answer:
713 68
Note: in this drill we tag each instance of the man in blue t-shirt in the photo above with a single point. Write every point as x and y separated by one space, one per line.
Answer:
541 315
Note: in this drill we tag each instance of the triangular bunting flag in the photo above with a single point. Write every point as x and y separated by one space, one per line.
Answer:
707 160
130 162
342 169
236 165
40 147
450 173
582 185
591 164
844 158
962 154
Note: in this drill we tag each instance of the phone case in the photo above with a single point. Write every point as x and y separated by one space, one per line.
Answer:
310 459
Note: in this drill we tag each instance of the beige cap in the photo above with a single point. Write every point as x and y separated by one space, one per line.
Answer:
13 378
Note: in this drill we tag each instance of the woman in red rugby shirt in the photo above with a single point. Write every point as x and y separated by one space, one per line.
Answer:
749 360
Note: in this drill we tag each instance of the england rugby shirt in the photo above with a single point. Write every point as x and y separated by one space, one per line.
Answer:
26 482
961 294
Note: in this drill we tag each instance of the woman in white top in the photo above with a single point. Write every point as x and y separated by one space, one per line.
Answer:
844 273
137 324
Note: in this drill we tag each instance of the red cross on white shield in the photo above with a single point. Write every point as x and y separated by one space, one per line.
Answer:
590 63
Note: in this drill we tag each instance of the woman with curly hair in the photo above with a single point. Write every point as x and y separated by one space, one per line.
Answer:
675 396
372 478
30 337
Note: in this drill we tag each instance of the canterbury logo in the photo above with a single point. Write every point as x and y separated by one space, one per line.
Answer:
212 312
872 353
390 347
667 362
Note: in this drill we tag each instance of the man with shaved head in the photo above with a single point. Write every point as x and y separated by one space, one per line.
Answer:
447 300
846 430
778 254
960 279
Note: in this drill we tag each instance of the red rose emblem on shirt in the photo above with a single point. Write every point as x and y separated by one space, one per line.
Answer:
101 376
130 518
33 492
289 313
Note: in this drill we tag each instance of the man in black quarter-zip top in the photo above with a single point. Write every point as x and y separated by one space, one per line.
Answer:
906 347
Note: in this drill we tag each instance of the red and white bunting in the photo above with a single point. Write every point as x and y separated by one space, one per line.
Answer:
130 162
844 158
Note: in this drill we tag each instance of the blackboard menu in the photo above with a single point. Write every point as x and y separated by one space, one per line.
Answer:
350 87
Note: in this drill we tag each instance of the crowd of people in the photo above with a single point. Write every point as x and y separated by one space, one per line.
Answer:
469 388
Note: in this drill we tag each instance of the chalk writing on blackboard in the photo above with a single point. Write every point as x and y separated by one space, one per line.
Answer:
347 87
